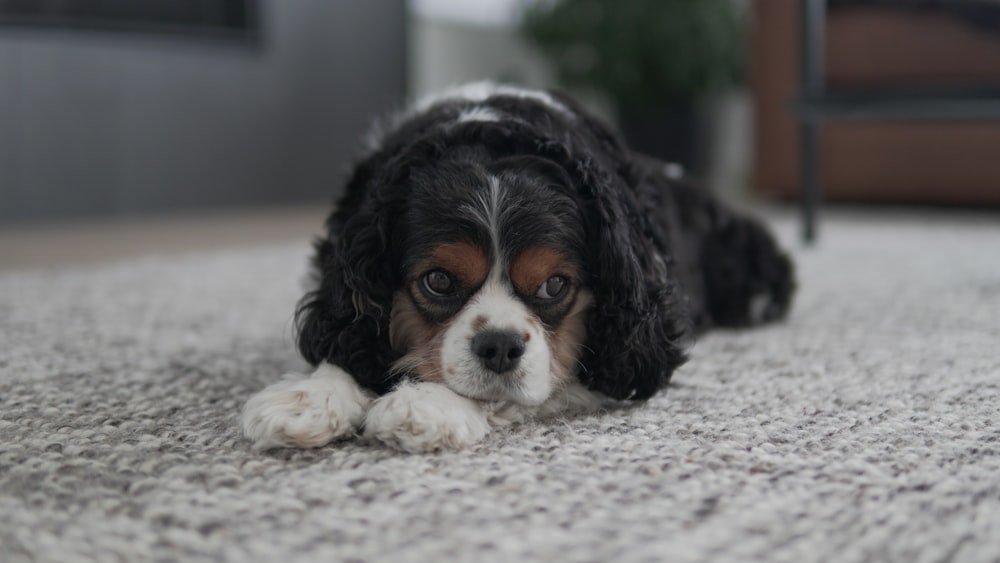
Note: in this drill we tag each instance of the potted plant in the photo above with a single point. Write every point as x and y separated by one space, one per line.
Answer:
652 59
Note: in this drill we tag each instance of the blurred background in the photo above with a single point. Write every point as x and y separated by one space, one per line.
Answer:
143 112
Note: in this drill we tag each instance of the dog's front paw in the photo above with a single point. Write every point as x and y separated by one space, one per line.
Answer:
425 417
305 412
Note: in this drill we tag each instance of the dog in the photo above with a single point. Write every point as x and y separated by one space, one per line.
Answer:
499 254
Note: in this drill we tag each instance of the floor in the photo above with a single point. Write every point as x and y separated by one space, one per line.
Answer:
863 429
105 240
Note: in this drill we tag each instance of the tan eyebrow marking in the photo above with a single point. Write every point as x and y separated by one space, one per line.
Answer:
465 261
532 267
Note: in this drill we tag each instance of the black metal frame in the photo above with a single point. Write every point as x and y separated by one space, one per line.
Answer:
816 104
813 83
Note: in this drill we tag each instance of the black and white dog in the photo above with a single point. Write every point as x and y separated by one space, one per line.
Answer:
500 254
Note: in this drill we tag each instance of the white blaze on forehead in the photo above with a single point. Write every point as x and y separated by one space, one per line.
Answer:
487 209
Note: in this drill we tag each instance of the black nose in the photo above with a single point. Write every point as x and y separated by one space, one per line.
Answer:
499 351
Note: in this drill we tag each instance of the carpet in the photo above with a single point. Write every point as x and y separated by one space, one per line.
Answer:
865 428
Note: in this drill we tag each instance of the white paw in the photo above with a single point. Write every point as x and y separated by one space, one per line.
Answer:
305 412
759 308
425 417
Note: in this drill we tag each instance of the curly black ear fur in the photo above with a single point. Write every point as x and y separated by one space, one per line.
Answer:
345 320
638 327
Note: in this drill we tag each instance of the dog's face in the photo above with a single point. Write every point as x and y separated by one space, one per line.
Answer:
493 302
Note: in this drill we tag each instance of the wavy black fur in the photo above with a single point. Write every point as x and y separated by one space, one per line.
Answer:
664 259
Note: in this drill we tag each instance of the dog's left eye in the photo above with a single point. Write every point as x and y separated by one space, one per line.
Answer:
439 283
553 288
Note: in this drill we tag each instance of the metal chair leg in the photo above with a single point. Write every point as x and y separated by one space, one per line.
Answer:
810 159
812 38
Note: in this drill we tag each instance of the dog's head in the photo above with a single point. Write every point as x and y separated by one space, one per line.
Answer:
493 298
496 262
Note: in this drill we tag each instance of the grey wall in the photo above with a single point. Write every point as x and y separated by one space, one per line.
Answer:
103 123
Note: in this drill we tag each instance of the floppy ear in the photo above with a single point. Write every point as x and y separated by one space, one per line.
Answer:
639 325
345 320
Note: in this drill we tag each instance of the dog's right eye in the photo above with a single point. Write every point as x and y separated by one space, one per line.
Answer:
438 283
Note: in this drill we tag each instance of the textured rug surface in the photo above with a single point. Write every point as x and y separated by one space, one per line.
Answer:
865 428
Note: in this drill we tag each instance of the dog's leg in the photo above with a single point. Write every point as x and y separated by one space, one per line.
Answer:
748 279
731 264
306 412
425 417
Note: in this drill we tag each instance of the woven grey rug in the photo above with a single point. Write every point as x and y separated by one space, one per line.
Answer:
866 428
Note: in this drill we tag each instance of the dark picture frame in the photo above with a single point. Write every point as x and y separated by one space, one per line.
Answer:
223 19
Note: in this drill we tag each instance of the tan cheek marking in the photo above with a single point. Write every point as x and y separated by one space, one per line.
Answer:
567 341
562 357
465 261
407 327
532 267
429 369
418 340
